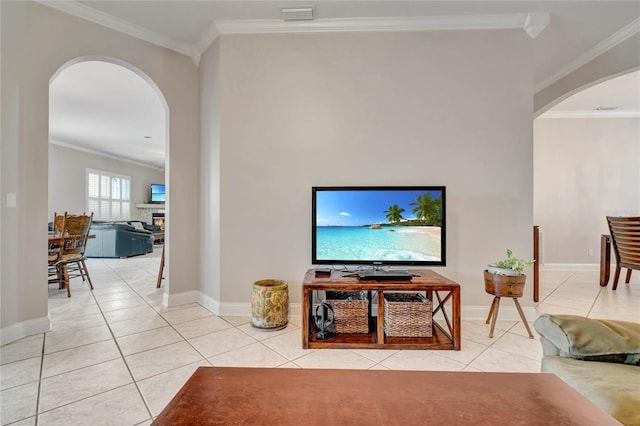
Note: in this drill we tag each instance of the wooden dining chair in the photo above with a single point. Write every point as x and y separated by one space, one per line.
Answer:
625 236
75 232
78 268
75 269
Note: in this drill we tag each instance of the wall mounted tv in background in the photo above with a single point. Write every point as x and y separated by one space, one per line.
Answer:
157 193
379 225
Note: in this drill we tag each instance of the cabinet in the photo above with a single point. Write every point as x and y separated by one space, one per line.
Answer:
444 293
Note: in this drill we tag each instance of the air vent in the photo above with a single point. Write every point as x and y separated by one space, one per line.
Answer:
297 14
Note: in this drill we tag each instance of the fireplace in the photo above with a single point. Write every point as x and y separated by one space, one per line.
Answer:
158 220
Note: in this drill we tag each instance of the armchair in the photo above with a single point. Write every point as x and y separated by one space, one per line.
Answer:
598 358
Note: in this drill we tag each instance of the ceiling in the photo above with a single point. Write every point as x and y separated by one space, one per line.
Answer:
121 107
105 108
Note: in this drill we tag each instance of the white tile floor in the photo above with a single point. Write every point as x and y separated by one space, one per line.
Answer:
116 356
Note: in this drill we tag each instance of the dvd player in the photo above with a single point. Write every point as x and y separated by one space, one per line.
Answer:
385 276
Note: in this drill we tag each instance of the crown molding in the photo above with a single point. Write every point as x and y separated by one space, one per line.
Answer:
102 154
591 114
536 23
206 39
420 23
600 48
532 24
90 14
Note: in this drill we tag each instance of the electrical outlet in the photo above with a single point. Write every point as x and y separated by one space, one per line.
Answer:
590 252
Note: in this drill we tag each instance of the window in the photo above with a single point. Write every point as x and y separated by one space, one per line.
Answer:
108 195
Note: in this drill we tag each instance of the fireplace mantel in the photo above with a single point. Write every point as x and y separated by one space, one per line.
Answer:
152 206
145 211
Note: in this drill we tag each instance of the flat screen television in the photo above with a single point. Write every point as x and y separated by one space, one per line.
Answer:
157 193
379 225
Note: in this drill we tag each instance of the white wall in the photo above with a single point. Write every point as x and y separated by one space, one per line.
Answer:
585 169
36 42
67 179
441 108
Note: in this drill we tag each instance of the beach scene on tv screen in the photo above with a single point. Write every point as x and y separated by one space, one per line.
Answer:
379 225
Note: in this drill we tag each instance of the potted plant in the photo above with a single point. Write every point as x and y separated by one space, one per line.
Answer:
511 266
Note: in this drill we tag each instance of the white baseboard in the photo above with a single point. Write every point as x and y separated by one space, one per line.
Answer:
180 298
571 266
23 329
222 309
507 312
210 303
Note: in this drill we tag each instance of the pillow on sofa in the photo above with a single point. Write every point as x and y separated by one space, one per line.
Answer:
137 225
592 339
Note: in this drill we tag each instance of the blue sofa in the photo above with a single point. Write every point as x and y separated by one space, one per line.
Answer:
119 239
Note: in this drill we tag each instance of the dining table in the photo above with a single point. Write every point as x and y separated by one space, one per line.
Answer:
55 239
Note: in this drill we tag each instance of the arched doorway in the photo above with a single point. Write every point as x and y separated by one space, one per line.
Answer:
107 118
586 162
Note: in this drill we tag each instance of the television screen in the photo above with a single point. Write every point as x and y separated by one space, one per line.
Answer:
379 225
157 193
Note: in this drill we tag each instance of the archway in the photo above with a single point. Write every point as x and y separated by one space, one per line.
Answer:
586 162
109 119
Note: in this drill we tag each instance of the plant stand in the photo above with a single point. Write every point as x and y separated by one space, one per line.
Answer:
504 286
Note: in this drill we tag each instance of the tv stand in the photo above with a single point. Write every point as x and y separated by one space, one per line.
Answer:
444 293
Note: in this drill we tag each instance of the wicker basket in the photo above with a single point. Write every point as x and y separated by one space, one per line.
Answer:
407 315
351 311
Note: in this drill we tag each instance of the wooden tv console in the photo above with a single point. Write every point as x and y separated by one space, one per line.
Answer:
446 335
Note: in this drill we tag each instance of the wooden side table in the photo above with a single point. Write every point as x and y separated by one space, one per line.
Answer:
504 286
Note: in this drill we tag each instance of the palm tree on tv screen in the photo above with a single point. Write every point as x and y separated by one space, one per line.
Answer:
394 213
428 209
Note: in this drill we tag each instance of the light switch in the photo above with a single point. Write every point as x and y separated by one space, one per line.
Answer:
11 200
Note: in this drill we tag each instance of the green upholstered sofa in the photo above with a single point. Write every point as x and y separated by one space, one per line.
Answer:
598 358
118 239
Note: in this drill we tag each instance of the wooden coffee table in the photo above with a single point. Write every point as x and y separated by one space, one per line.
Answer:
286 396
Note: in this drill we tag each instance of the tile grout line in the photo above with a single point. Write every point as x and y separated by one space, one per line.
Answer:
44 338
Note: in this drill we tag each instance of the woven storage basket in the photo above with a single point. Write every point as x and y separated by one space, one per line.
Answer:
407 315
351 311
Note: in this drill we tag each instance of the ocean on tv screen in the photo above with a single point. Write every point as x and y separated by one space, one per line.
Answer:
383 243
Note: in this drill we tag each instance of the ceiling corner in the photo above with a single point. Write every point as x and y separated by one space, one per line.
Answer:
536 23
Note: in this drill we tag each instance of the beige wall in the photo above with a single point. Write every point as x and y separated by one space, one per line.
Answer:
585 169
441 108
211 257
36 42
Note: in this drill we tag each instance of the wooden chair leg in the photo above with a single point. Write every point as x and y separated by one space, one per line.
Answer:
86 272
495 315
523 318
60 270
628 276
65 274
616 277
